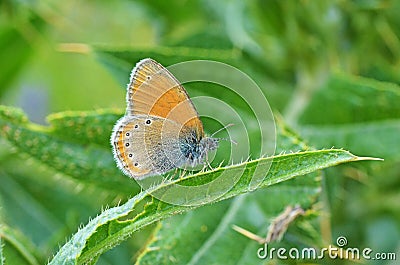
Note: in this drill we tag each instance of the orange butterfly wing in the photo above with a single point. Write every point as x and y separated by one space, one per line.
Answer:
153 90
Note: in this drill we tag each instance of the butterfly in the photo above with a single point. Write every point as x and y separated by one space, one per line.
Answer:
161 129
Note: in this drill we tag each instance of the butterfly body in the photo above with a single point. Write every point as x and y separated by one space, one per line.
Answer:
161 129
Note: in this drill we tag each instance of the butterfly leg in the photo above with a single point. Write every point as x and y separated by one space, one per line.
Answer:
181 173
207 164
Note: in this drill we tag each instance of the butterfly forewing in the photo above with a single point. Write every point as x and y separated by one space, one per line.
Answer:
153 90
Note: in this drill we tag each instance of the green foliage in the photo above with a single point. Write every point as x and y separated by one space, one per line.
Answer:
107 230
364 116
210 236
329 70
17 248
77 144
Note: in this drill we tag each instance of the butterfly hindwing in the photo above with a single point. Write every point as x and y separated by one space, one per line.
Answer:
147 145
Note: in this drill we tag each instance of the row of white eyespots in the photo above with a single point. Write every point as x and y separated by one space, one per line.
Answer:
123 165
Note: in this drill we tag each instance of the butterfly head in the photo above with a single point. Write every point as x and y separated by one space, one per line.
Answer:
205 145
208 144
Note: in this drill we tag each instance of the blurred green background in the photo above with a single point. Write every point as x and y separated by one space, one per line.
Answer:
330 68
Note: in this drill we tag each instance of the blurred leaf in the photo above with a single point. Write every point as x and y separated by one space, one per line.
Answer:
1 250
121 61
373 32
15 51
43 206
17 42
280 43
361 114
107 230
67 147
206 40
383 72
349 99
176 19
92 127
16 249
366 138
175 11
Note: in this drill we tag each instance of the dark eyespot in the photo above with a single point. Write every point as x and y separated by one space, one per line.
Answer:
148 121
148 77
136 126
127 144
130 155
127 134
136 164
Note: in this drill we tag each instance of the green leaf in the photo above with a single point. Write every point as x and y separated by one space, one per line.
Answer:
92 127
115 225
23 33
349 99
359 113
174 12
76 145
16 249
208 230
378 137
1 251
121 61
15 55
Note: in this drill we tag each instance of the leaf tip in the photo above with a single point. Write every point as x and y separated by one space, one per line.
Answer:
362 158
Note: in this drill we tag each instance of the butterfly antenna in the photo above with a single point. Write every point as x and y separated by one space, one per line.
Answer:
223 128
230 140
225 139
